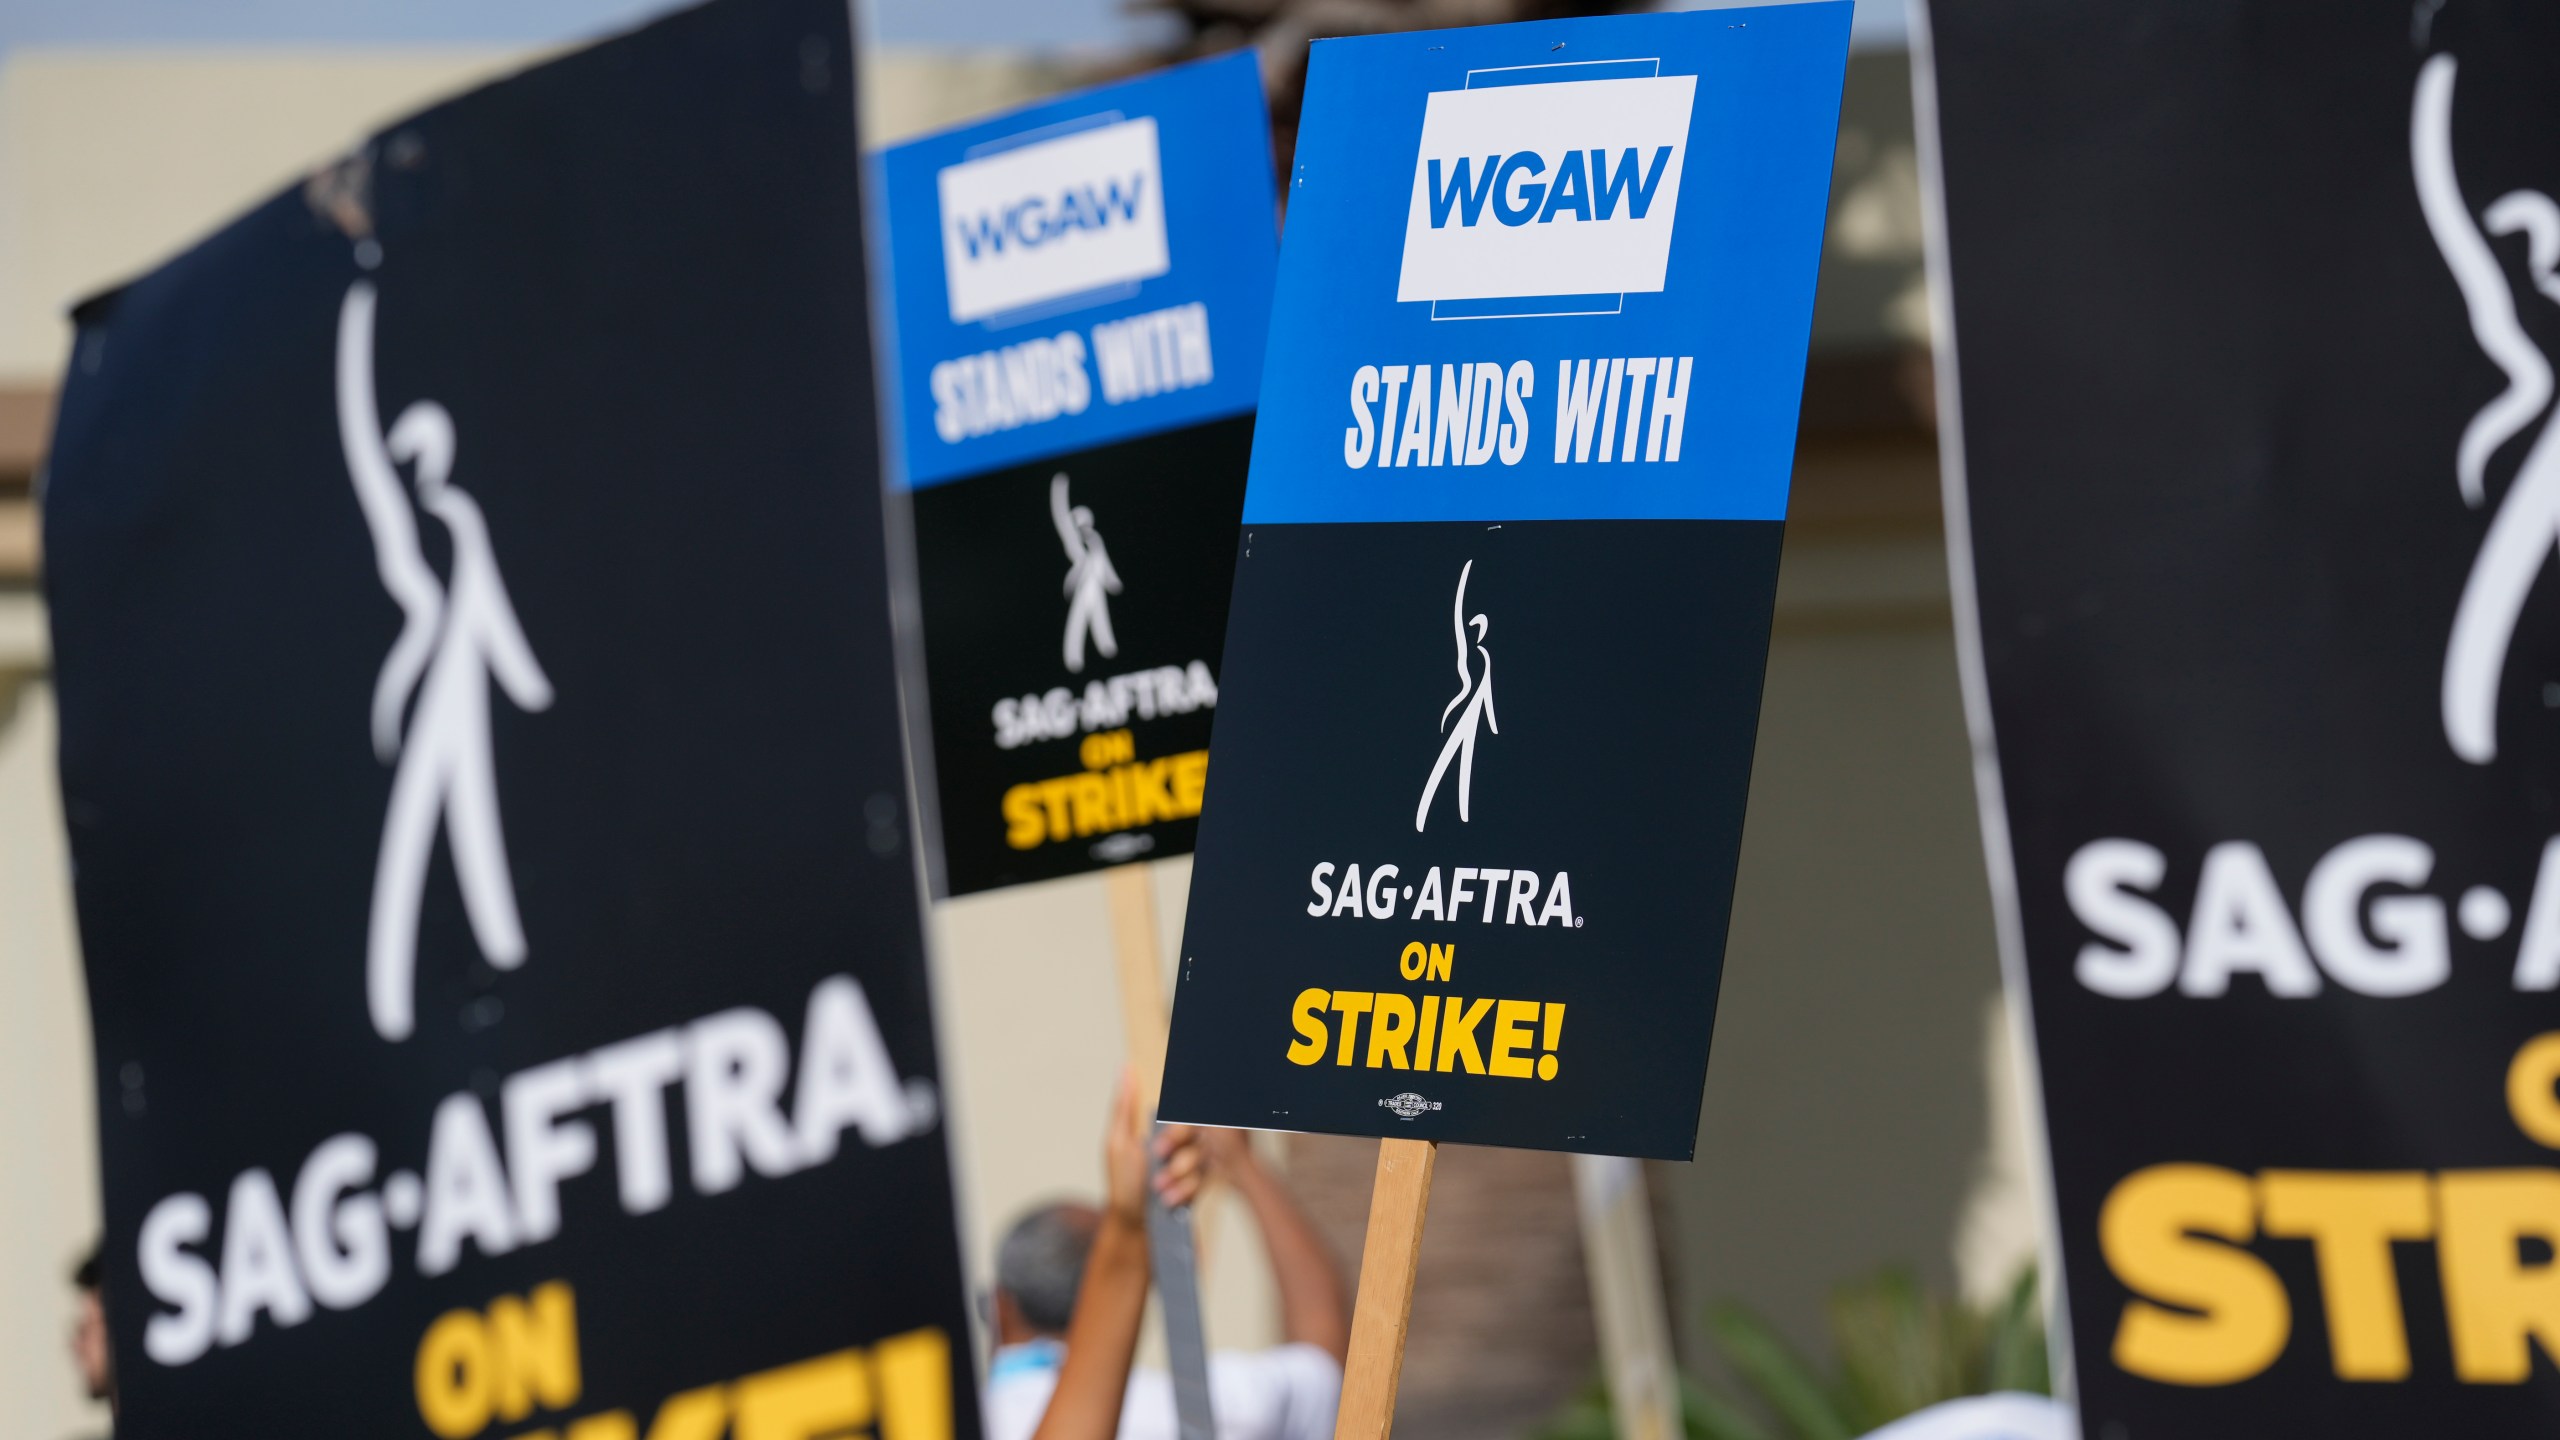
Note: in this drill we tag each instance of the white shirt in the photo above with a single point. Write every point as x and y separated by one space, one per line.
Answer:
1285 1393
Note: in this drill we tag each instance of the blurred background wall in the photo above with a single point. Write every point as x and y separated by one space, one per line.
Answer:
1862 1107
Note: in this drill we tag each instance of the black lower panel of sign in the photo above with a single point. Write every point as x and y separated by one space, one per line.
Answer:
1541 970
1053 757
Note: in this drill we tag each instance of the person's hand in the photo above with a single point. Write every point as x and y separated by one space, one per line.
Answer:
1182 1167
1177 1155
1229 1153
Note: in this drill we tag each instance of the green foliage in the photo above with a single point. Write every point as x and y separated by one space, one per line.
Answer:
1704 1416
1900 1349
1789 1388
1584 1417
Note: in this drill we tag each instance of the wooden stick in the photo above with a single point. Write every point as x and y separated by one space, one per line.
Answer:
1130 891
1388 1260
1626 1297
1173 1241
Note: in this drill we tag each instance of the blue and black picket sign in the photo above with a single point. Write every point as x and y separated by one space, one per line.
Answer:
1502 605
1080 290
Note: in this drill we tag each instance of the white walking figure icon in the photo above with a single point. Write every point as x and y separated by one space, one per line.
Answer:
2526 528
454 636
1476 693
1090 578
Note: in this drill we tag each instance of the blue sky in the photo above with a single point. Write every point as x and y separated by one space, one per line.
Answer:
1038 24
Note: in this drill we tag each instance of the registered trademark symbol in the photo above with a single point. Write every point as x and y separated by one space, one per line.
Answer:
1577 922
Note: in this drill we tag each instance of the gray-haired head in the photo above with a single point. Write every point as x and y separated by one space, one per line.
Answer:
1041 1262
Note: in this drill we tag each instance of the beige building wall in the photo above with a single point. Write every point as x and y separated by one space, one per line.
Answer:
1862 1103
1865 1103
49 1183
113 160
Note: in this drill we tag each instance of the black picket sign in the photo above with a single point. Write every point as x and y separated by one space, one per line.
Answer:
2254 315
481 757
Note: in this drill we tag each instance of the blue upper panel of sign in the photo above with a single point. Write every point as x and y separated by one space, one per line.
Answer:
1560 270
1081 271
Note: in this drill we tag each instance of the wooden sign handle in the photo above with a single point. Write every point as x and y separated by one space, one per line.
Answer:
1130 892
1626 1297
1384 1309
1175 1240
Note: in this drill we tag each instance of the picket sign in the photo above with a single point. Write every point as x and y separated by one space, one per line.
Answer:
1075 404
1559 277
699 177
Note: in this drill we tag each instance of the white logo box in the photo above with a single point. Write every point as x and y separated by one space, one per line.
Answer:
1563 256
1017 193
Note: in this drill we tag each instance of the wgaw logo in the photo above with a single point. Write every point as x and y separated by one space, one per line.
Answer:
2527 526
1081 214
1090 579
1565 187
454 636
1475 693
